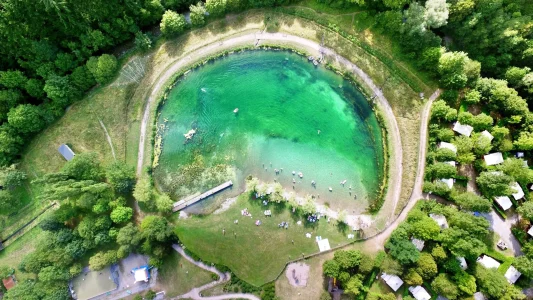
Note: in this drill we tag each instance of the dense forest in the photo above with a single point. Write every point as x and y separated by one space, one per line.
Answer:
52 52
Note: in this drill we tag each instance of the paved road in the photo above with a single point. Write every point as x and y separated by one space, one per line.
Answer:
503 229
195 293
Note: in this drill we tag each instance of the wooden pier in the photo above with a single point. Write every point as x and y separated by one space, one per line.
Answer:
183 203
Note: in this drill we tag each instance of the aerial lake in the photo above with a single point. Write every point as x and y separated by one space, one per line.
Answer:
253 112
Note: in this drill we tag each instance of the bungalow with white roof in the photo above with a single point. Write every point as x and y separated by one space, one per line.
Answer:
419 293
448 181
512 275
462 262
451 163
504 202
440 219
519 193
463 129
488 262
448 146
479 296
487 135
393 281
493 159
67 153
419 244
530 231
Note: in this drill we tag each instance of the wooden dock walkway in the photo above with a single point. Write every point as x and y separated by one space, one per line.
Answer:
183 203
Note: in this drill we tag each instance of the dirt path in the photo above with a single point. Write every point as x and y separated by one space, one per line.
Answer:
108 139
377 242
195 293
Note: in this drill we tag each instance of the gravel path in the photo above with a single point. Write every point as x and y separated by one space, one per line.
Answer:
195 293
377 242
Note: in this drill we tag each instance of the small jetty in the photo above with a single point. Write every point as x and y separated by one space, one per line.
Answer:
186 202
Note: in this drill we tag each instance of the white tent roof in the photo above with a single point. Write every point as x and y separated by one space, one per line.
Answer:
530 231
504 202
462 262
493 158
448 146
463 129
448 182
479 296
488 262
393 281
487 135
141 274
519 192
419 244
323 245
451 163
419 293
512 275
440 219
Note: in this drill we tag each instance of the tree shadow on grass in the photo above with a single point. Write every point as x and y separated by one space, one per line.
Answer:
342 227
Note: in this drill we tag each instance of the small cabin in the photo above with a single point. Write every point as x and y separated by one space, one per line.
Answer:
67 153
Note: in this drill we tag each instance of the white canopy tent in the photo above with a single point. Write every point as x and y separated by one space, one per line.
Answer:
512 275
493 159
419 293
393 281
440 219
519 193
448 146
323 245
462 263
419 244
462 129
448 181
504 202
487 135
488 262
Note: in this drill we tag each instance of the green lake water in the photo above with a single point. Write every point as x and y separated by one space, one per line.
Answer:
292 116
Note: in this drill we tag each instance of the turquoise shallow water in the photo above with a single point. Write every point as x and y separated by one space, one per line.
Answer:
291 116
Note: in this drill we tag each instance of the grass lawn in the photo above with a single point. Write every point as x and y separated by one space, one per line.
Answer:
12 256
80 128
178 276
257 254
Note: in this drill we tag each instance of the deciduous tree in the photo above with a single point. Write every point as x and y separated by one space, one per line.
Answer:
215 7
198 12
172 23
426 266
472 202
403 251
102 68
331 268
444 286
121 214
